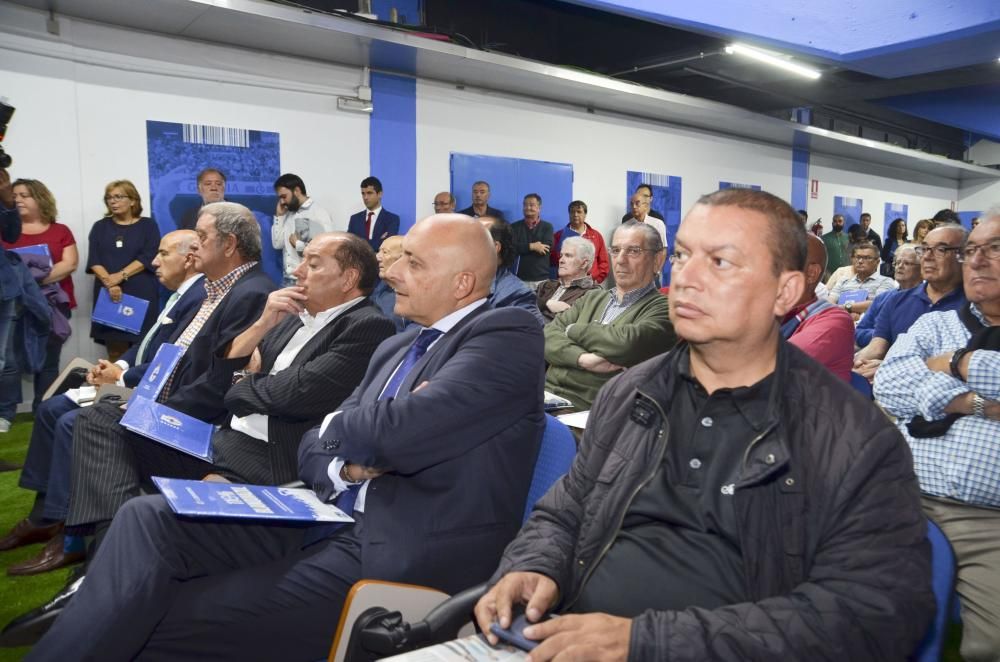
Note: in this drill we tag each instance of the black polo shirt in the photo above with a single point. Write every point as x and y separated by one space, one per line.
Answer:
679 545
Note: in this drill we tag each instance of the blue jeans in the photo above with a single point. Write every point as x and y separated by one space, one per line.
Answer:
10 376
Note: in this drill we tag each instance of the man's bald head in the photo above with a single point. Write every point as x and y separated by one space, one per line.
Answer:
174 262
815 266
390 251
448 262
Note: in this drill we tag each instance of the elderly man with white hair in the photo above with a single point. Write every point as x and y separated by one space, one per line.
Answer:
575 262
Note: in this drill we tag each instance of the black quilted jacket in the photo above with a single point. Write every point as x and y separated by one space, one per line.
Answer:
833 538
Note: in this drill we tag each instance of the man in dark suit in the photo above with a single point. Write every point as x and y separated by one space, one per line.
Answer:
374 224
307 353
446 477
47 467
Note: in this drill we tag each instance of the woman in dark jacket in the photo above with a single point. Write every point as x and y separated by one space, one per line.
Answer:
122 247
896 238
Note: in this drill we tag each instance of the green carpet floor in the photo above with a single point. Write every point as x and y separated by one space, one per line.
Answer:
19 594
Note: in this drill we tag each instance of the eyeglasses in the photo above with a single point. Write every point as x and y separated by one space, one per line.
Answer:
631 251
863 258
991 251
115 198
936 251
905 263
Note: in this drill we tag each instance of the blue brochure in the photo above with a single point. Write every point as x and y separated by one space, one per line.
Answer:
126 315
854 296
201 498
169 427
160 368
34 249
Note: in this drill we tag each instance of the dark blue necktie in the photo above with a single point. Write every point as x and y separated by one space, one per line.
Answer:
424 340
346 499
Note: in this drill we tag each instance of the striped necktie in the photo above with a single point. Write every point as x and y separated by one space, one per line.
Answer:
148 338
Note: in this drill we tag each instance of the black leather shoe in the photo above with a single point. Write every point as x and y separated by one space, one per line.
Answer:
28 628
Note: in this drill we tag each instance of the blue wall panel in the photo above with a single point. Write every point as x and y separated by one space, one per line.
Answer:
510 180
851 209
393 144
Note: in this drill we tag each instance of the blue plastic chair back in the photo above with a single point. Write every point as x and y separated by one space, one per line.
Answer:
943 582
554 459
861 385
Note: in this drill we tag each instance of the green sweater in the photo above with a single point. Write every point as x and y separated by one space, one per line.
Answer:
640 333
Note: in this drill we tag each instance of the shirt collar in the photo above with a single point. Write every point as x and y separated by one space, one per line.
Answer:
752 401
978 313
215 289
307 204
186 285
448 322
324 317
631 297
582 281
375 212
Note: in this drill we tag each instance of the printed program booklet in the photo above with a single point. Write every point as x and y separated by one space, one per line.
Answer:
160 368
169 427
467 649
126 315
200 498
553 402
854 296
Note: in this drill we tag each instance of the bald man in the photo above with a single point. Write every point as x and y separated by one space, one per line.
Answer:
435 476
817 327
383 295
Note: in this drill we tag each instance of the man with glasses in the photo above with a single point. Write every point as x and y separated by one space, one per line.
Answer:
941 290
444 203
606 331
866 278
906 272
941 380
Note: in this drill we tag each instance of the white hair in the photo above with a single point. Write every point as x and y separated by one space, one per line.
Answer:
584 249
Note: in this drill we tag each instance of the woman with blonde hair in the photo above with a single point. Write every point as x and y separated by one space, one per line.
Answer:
123 245
921 229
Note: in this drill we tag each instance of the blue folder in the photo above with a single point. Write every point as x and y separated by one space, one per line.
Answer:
169 427
209 499
34 249
160 368
854 296
126 315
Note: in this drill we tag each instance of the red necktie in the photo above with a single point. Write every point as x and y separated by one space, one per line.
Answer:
368 225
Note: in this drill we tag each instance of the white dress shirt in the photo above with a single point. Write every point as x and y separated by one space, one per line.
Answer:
255 425
444 325
375 212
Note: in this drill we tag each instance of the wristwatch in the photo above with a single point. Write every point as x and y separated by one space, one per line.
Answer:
978 405
849 306
956 358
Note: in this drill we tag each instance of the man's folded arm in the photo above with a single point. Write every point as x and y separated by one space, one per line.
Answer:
629 343
867 596
905 386
300 391
984 366
445 419
559 349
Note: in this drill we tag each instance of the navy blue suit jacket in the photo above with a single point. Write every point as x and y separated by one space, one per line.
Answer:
458 454
386 225
180 315
196 389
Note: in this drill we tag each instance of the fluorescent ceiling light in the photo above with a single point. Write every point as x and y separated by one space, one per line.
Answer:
773 60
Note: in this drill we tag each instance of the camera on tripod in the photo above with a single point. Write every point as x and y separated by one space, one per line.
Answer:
6 112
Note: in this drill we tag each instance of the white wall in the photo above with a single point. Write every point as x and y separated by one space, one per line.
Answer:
601 149
924 194
83 100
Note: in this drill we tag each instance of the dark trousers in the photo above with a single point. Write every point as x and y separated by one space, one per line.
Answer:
110 464
47 465
10 378
168 588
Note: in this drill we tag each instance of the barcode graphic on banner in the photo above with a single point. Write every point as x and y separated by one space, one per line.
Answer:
200 134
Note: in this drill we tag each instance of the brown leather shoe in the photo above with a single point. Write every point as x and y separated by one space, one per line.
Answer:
26 533
52 557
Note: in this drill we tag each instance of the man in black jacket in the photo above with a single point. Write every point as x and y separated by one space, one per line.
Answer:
731 499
